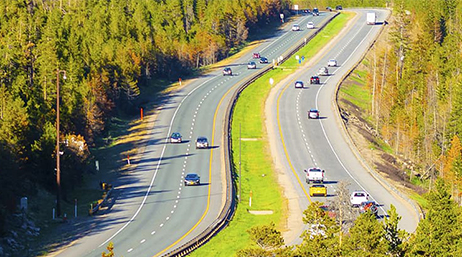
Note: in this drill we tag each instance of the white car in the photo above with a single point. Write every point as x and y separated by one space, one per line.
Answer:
299 84
295 27
313 114
310 25
251 65
358 197
332 63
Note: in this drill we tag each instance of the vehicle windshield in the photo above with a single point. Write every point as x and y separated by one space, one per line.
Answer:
176 135
191 176
360 194
202 140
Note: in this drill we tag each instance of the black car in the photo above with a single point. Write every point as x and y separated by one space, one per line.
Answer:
338 8
192 179
328 8
263 60
315 12
315 80
227 71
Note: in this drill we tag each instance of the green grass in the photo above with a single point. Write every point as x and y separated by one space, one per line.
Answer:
258 174
419 199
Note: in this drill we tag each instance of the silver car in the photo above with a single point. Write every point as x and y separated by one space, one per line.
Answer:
323 71
202 143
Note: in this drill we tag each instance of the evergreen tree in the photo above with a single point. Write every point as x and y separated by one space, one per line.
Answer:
367 237
440 233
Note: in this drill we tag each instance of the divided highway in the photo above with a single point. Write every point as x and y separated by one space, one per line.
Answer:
303 143
154 212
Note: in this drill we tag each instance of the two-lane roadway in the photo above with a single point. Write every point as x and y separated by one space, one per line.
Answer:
303 143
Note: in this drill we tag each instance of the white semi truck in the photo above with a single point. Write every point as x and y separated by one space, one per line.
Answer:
371 18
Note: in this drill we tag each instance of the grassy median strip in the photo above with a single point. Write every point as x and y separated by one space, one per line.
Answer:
258 175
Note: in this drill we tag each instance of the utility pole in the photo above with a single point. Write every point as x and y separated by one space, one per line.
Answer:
58 170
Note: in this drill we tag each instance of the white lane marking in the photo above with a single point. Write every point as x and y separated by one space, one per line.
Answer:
142 241
161 225
172 211
167 218
153 232
176 201
174 206
324 131
129 250
158 165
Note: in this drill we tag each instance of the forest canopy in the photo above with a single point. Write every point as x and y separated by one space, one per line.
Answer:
107 50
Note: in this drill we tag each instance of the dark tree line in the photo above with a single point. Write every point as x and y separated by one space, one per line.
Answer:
108 49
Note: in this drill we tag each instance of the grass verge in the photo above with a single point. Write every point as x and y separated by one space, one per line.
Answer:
258 174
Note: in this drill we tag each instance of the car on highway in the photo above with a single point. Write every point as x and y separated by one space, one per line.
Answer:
323 71
315 12
369 205
332 63
313 114
263 60
175 137
358 197
256 55
251 65
315 175
192 179
338 8
295 27
318 190
310 25
328 8
298 84
227 71
202 143
315 80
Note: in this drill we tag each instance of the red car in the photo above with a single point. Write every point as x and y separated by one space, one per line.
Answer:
256 55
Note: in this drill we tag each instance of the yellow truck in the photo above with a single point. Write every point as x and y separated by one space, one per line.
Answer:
318 190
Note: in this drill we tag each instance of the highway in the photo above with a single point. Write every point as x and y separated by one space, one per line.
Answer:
302 143
154 212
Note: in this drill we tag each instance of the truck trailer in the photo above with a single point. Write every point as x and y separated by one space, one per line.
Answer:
371 18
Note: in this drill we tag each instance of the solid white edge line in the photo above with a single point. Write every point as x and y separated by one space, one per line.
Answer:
324 131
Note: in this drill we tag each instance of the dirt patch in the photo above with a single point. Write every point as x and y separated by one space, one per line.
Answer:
366 140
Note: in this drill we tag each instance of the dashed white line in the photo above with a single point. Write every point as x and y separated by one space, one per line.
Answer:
153 232
129 250
161 225
142 241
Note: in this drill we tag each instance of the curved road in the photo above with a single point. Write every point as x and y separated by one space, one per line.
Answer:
154 213
304 143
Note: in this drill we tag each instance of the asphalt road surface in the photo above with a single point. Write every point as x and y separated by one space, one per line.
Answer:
154 212
305 143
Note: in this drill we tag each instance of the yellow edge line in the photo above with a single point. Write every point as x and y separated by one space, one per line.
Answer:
284 144
210 170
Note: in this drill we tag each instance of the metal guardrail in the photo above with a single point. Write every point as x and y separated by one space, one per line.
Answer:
230 205
96 208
